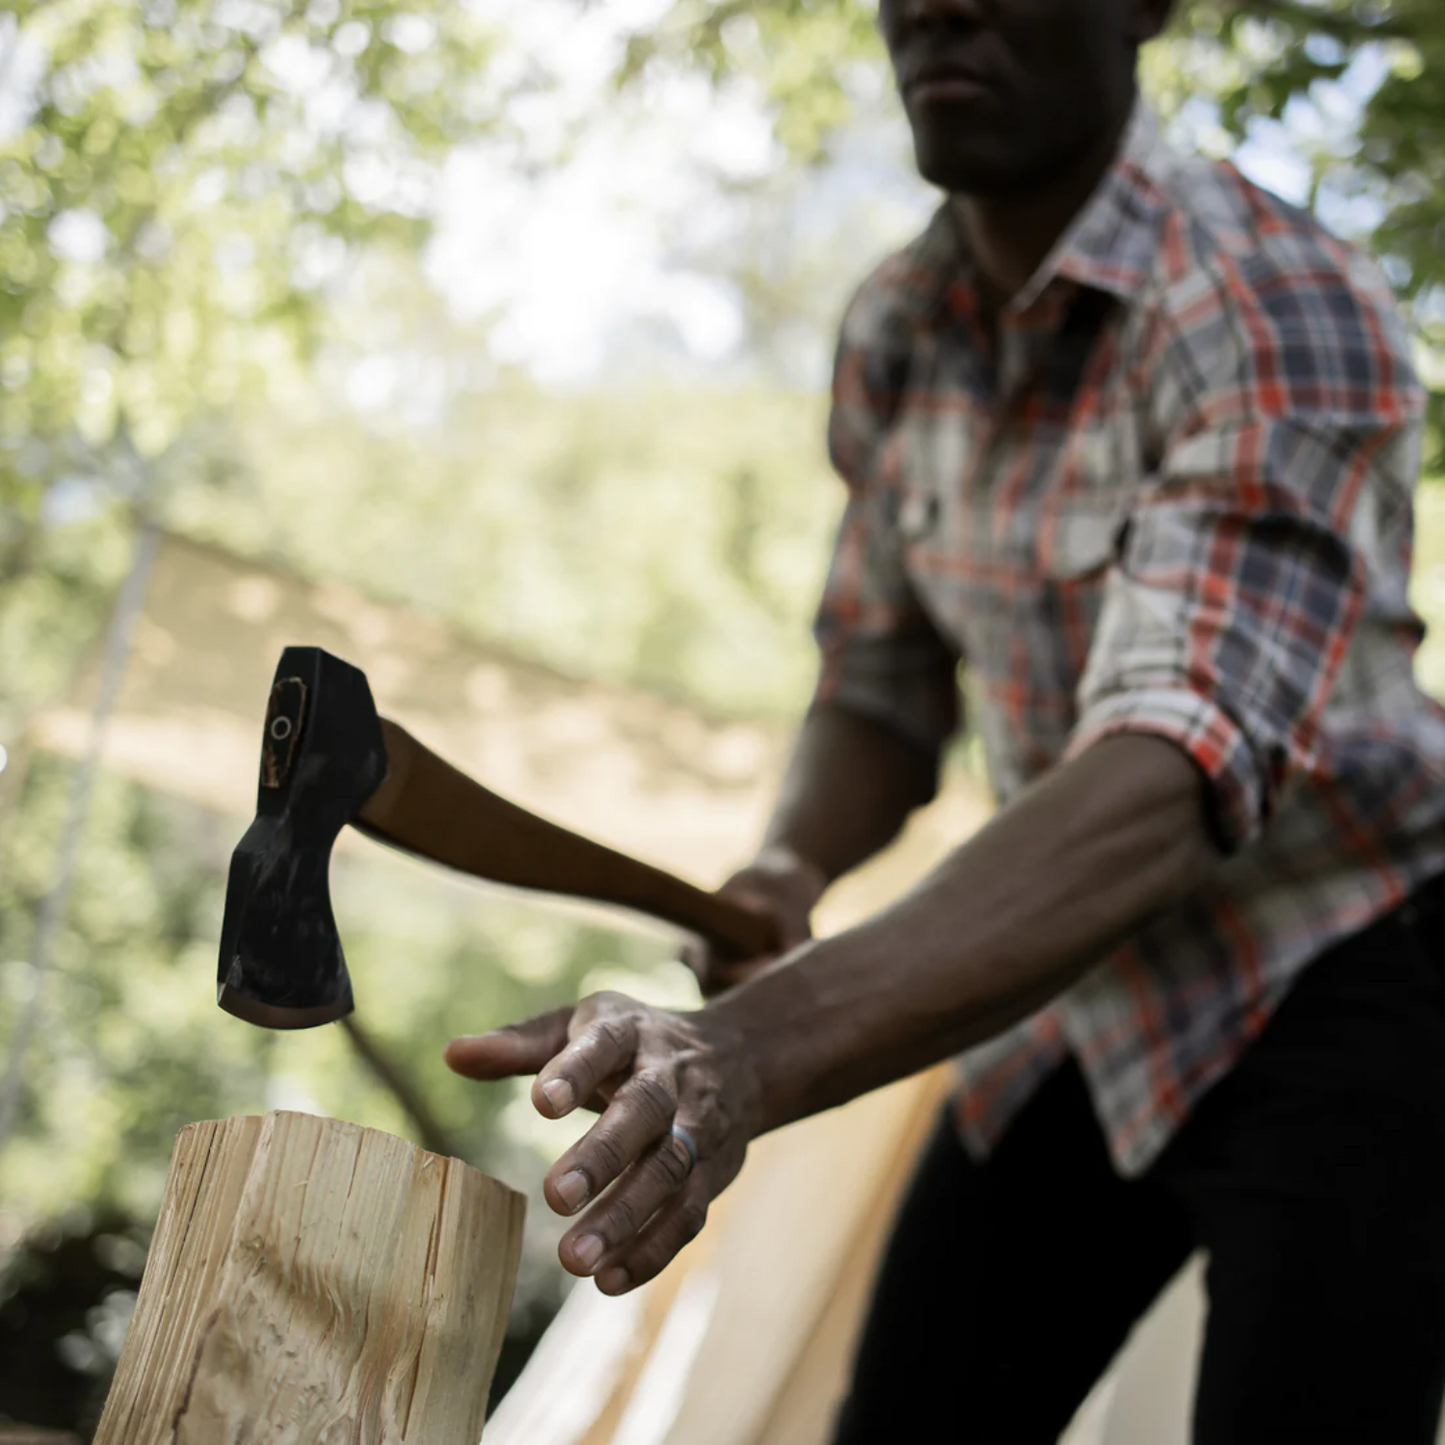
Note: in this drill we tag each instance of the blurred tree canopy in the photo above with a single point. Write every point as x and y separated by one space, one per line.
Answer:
668 539
189 176
180 183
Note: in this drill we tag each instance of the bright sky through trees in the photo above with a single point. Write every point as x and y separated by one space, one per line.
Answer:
574 257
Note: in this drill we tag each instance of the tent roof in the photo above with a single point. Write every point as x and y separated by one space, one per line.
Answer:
641 773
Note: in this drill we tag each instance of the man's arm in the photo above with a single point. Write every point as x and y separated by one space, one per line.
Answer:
849 787
886 699
848 790
1009 920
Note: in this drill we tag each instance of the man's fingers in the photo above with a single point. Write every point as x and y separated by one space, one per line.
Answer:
604 1048
517 1049
638 1116
674 1226
611 1228
644 1192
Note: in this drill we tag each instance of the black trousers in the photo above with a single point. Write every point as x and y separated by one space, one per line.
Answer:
1313 1177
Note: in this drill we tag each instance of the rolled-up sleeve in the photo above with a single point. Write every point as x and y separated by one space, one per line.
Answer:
881 654
1288 429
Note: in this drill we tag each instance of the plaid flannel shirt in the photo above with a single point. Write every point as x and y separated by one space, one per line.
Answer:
1169 493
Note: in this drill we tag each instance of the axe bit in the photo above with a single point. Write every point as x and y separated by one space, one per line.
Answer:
328 759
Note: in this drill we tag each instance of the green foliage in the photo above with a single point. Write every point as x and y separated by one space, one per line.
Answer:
180 183
663 538
58 586
188 176
124 1072
809 57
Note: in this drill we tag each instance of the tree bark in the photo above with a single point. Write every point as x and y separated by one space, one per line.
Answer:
312 1282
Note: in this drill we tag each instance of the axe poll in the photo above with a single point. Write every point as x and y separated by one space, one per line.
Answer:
328 760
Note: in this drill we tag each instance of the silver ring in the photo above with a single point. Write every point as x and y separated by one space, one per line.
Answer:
688 1143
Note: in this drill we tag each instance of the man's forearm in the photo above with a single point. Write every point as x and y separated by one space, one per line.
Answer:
849 788
1003 925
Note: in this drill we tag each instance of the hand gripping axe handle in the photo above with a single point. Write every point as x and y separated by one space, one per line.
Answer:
328 759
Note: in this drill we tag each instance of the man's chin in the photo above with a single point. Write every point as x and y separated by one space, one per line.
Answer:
962 169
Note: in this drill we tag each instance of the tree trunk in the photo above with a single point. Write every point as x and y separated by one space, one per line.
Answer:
312 1282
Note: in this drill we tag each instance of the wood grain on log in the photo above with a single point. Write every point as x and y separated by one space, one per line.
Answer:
312 1282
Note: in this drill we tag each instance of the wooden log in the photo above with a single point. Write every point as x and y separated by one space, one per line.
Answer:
312 1282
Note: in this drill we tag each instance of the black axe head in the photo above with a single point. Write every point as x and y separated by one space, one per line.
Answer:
322 757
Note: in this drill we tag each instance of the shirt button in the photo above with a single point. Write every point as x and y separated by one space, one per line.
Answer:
918 516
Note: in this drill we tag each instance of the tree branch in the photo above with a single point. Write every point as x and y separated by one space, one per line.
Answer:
430 1131
1343 27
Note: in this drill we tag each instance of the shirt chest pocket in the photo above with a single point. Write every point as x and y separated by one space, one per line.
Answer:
1084 507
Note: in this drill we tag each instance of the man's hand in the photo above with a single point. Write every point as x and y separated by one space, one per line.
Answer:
645 1069
779 883
1010 919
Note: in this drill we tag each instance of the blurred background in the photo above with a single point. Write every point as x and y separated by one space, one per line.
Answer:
487 345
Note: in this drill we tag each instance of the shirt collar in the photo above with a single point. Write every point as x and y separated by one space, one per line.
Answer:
1109 245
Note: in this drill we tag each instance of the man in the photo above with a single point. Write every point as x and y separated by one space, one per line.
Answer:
1135 442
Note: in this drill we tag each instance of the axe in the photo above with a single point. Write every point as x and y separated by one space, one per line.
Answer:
328 759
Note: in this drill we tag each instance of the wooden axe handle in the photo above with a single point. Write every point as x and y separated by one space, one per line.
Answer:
430 808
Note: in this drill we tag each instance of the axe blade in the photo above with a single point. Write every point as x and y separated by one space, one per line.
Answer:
322 755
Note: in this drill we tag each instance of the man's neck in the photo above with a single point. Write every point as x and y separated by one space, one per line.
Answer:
1008 237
